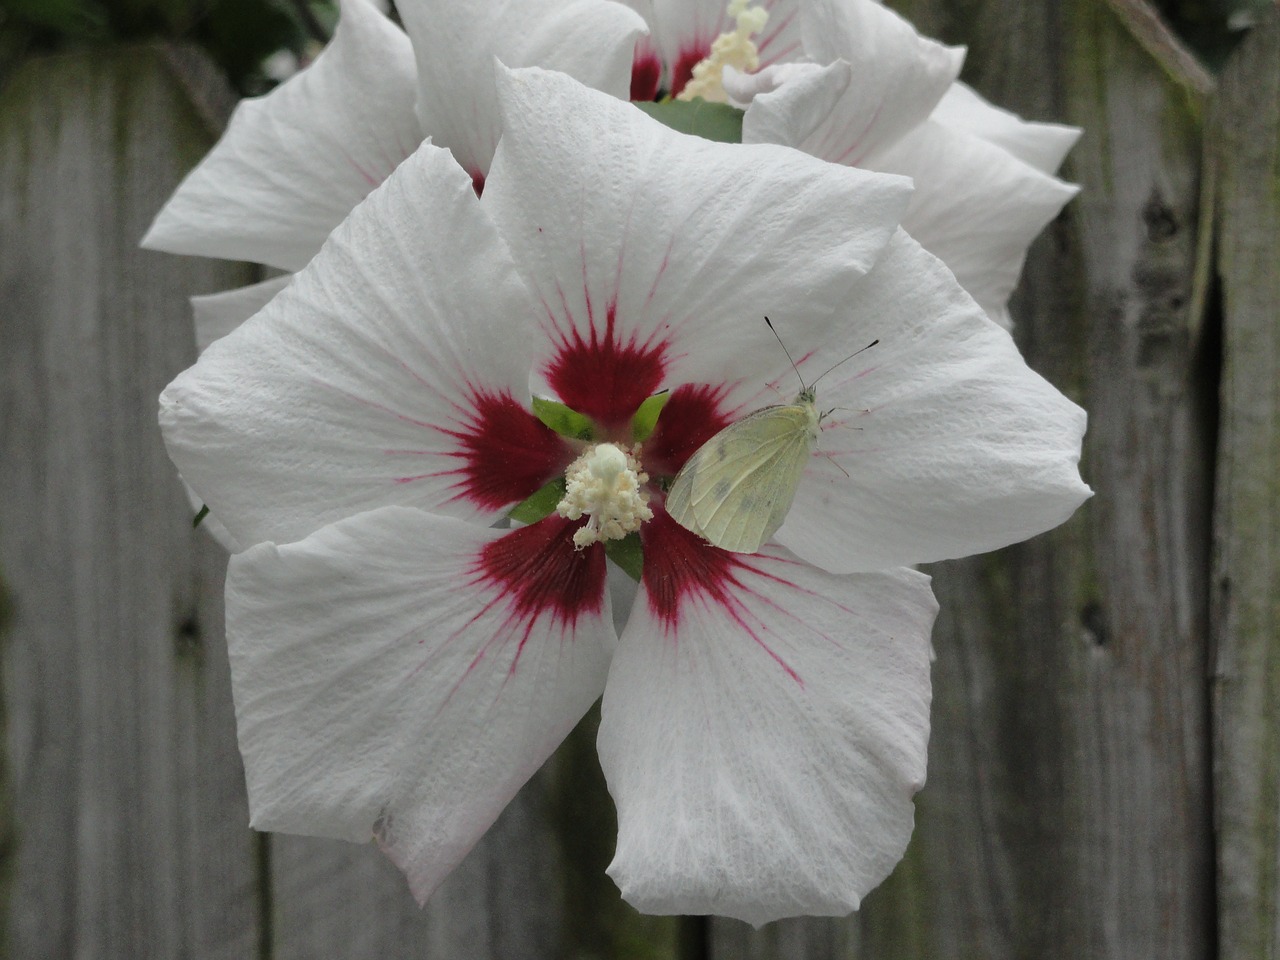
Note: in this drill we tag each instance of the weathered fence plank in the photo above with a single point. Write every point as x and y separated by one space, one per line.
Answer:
1244 145
1068 811
126 809
503 901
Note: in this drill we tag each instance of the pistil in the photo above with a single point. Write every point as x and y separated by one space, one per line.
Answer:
734 49
606 485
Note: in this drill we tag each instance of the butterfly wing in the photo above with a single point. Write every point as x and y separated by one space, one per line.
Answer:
738 487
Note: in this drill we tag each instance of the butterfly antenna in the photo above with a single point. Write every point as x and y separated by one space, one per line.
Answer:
836 463
788 353
838 362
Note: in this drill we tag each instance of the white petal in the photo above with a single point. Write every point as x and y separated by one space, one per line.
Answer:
393 369
943 442
217 314
634 234
845 111
975 206
386 684
781 41
763 738
902 75
293 163
1043 145
456 44
743 88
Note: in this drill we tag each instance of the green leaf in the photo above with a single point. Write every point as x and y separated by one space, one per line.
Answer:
204 512
711 121
628 554
541 504
646 416
561 419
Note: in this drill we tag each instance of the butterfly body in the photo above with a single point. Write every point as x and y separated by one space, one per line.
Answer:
738 487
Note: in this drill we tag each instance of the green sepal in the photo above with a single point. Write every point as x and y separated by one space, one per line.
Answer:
196 520
711 121
541 504
646 416
628 554
562 419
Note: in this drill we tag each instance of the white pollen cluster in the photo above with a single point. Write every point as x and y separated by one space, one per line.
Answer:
604 484
735 49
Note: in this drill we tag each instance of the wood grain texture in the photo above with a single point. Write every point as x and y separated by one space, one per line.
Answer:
1068 809
1244 146
126 816
333 898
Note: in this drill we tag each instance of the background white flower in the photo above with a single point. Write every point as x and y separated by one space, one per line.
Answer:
293 163
863 89
878 95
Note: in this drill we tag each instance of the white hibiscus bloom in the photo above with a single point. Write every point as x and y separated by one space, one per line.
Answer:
877 95
400 667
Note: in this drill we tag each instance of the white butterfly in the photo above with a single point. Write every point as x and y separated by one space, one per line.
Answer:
738 487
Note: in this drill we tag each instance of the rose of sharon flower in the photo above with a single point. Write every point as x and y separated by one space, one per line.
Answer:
877 95
293 163
400 667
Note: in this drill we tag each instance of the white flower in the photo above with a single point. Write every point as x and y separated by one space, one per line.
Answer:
400 668
861 88
880 96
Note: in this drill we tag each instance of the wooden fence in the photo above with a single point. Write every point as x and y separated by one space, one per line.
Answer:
1104 775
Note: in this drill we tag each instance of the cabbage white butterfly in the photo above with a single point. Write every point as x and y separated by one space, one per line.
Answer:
738 487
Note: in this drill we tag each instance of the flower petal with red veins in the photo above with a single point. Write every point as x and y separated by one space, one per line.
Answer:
393 369
400 675
293 163
621 250
693 415
764 729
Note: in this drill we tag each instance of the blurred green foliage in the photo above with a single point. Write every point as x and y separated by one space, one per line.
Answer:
239 34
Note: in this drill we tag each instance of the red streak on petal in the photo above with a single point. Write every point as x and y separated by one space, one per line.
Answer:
682 70
694 414
646 74
477 182
604 379
508 454
539 572
681 568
